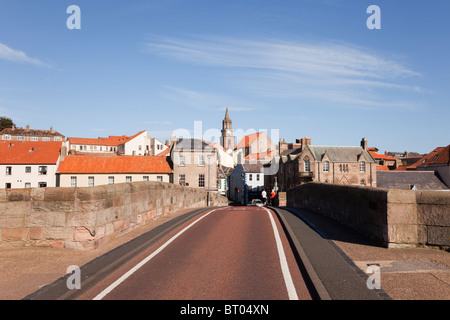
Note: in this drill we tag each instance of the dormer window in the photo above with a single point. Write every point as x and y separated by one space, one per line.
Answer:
6 137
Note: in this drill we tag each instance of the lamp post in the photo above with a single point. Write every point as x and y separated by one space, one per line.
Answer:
209 182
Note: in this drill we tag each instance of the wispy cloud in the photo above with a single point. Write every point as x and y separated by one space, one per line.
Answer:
7 53
205 101
272 67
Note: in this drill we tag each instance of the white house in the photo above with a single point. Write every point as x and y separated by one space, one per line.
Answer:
29 164
246 182
139 144
158 147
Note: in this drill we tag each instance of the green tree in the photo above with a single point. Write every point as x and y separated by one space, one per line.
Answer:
6 122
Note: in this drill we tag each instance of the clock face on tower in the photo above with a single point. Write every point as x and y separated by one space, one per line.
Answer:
228 132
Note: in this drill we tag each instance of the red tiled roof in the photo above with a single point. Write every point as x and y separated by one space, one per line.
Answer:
377 155
440 155
120 164
29 152
247 141
260 156
164 153
382 168
110 141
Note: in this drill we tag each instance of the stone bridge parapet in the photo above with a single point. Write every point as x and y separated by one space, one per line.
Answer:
85 218
395 218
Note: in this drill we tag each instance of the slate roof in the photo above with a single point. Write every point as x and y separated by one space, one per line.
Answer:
193 145
404 180
340 154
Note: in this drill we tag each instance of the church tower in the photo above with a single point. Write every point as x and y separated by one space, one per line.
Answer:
227 140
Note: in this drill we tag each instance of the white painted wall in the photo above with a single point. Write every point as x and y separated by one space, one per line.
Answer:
102 179
19 177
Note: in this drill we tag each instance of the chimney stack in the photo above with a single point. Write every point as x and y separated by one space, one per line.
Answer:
364 144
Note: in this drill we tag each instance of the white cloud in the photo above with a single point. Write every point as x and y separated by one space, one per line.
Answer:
276 68
204 100
7 53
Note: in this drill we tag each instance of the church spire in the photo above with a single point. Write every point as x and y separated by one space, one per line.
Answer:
227 116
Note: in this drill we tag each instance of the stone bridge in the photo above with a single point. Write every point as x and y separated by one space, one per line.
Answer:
85 218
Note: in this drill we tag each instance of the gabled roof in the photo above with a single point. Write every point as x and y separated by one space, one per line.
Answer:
30 152
261 156
119 164
380 156
188 144
111 141
340 154
248 140
439 156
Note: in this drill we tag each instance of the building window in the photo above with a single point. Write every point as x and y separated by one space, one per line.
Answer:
20 138
90 181
27 169
6 137
201 160
128 179
145 178
201 180
250 177
257 177
182 179
363 182
34 139
58 139
182 160
159 178
27 185
307 166
43 170
110 180
45 139
73 182
42 184
326 166
362 166
8 171
8 185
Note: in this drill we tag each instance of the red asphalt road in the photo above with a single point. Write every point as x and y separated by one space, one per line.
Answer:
229 255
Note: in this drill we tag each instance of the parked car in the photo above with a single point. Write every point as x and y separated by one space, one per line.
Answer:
257 203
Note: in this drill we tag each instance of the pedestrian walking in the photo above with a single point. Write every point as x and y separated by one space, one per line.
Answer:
264 196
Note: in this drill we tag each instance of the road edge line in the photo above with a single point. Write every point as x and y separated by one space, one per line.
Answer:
314 278
116 283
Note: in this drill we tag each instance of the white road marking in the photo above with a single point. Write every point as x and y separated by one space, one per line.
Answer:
102 294
292 293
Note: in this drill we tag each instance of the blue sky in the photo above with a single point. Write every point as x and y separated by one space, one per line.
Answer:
300 68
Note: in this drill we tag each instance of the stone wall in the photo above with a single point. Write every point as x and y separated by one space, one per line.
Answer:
392 217
84 218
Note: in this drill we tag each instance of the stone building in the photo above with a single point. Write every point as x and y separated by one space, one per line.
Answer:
194 164
349 165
